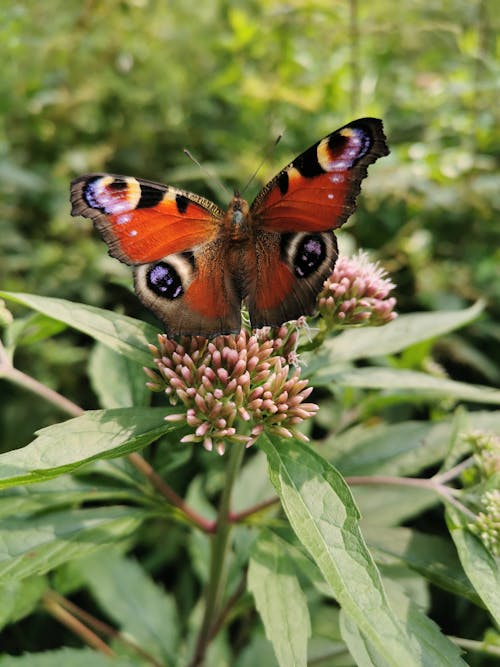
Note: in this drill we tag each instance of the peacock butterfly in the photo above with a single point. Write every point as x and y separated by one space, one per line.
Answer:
194 264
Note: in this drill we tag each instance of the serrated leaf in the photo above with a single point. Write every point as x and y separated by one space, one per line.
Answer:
395 380
482 568
68 445
36 545
323 515
118 381
280 601
141 608
122 334
440 650
404 331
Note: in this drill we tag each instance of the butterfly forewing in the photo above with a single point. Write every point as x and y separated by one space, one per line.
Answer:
142 221
317 191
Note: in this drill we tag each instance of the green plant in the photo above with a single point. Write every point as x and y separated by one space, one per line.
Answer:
325 586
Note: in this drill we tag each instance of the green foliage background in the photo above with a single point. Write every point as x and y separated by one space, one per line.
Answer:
123 86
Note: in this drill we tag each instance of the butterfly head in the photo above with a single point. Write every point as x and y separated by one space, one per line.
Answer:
237 214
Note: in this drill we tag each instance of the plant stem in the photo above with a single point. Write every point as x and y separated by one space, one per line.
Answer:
218 569
140 463
53 600
450 474
9 372
237 517
442 490
479 647
76 626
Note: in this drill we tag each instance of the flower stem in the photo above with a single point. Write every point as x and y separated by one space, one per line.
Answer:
218 569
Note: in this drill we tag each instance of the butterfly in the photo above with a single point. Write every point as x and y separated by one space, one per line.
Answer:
194 264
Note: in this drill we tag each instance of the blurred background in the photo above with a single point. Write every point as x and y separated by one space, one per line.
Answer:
125 85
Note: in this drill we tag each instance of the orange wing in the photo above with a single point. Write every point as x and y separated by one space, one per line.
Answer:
290 271
317 191
142 221
192 293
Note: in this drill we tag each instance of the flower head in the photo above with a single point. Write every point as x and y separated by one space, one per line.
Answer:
486 448
233 387
357 292
487 524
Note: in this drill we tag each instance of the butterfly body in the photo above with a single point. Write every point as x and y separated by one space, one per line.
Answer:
194 264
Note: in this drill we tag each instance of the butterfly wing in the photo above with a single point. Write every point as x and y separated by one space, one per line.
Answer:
291 269
295 213
192 293
172 238
317 191
142 221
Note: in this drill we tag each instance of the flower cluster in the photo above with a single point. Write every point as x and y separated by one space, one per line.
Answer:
487 524
357 293
233 387
486 448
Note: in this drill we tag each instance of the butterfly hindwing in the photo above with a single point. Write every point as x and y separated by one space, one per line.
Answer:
290 271
317 191
142 221
192 293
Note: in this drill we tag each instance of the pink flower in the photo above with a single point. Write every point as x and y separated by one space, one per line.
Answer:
233 388
357 293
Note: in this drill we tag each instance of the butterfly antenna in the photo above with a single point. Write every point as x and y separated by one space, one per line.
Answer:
210 175
268 151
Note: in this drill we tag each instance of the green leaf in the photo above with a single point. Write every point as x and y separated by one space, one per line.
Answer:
430 555
395 380
20 598
440 650
279 600
482 568
252 485
118 381
36 545
404 331
258 651
388 506
122 334
69 657
323 515
359 647
68 445
389 449
32 329
141 608
64 491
